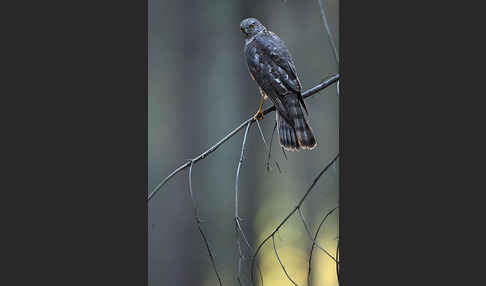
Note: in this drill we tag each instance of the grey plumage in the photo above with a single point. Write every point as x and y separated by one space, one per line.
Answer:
271 66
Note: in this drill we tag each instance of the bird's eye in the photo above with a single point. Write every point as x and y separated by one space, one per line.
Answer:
252 26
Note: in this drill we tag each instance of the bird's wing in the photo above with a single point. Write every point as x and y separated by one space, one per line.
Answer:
262 69
274 48
283 59
280 54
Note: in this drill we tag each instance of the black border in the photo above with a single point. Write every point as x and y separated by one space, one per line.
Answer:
77 178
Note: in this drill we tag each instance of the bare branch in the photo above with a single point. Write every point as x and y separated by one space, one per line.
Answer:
239 167
240 256
239 230
260 271
329 36
261 133
283 151
291 213
196 212
210 253
268 148
314 242
315 239
198 222
325 83
270 151
242 232
279 261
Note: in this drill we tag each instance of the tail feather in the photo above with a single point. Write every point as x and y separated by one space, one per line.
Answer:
288 138
299 136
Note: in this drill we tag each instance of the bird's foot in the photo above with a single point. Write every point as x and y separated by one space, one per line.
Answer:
258 115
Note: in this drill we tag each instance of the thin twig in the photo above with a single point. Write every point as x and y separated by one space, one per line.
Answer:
239 230
329 36
260 271
268 148
281 264
315 239
283 151
239 167
261 133
242 232
240 256
291 213
270 151
198 222
210 253
325 83
196 212
237 225
314 242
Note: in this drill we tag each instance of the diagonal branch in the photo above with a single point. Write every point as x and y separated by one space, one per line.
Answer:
325 83
290 214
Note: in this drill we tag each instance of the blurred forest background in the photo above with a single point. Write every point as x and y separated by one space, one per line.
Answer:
199 90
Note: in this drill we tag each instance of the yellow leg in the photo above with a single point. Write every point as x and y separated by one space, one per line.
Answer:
259 114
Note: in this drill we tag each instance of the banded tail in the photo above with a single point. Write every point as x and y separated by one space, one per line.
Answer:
299 136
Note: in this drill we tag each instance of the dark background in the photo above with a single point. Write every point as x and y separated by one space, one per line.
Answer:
199 89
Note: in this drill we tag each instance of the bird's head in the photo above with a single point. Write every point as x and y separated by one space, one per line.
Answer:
250 27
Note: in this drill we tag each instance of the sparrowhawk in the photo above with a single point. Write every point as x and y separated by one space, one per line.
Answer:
271 66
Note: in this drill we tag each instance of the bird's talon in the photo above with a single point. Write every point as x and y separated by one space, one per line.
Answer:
258 116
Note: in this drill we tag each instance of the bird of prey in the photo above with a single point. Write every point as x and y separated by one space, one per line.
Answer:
271 66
